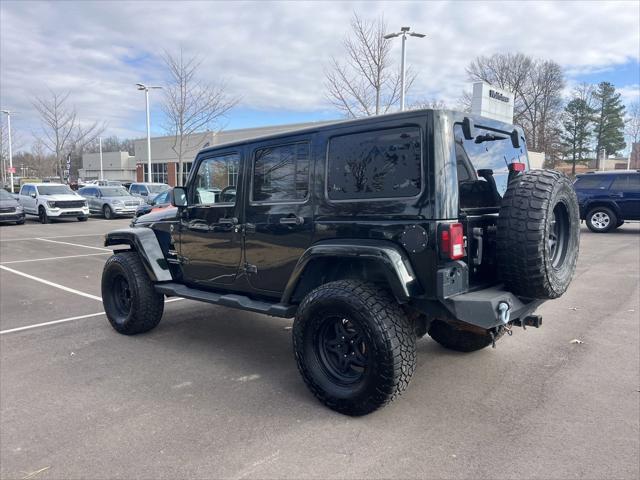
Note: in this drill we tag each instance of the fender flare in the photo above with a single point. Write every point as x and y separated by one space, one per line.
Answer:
394 262
596 202
145 242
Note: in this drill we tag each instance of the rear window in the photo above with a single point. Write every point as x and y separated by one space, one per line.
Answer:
375 165
591 181
490 150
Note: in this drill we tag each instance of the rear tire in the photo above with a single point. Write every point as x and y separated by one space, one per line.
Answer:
131 303
354 346
538 234
459 340
601 220
42 215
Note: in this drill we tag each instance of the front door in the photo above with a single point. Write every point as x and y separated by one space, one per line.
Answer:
210 233
279 218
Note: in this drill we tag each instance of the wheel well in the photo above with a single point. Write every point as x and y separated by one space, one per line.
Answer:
595 204
323 270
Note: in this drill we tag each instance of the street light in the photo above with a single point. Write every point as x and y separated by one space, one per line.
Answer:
142 86
101 172
404 31
8 114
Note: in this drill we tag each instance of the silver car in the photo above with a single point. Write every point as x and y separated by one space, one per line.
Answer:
110 201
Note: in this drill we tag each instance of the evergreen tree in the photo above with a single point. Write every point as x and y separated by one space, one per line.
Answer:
577 121
609 121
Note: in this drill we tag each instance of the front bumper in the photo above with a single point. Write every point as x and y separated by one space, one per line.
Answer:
124 210
68 212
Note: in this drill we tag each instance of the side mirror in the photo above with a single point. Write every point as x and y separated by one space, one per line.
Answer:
33 195
179 197
468 129
144 193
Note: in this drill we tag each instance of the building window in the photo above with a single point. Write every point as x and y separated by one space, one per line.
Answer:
186 169
281 173
158 172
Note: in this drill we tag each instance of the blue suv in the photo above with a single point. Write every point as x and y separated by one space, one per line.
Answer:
607 199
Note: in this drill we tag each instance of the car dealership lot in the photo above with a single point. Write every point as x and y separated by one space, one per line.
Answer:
214 392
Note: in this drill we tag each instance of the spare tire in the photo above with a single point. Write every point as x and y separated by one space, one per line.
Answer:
538 234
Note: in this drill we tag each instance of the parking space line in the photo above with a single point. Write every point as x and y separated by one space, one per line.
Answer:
57 236
63 320
74 244
54 258
54 322
47 282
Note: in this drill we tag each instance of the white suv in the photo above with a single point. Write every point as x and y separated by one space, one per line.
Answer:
52 200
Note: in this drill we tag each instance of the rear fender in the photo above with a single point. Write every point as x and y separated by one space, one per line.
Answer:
393 262
145 243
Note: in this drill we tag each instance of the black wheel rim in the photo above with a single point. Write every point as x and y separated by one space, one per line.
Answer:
558 237
342 350
121 294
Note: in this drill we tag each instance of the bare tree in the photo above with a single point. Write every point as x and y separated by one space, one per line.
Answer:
190 105
537 88
632 124
62 131
432 104
365 84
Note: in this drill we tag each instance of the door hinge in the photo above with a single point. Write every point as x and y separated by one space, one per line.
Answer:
248 268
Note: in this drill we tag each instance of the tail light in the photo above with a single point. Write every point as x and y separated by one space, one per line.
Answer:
452 241
517 167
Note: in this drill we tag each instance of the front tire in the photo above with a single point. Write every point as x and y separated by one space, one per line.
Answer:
131 303
107 212
42 215
354 346
82 219
20 222
601 220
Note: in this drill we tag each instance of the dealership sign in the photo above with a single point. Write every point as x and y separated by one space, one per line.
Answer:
491 102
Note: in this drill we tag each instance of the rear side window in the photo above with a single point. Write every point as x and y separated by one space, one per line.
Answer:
591 181
281 173
375 165
626 183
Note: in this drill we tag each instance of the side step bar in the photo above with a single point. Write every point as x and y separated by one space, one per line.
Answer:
228 300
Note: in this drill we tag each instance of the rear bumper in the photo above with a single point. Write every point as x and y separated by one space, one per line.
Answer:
481 308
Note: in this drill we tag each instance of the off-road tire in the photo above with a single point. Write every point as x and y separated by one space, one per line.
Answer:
389 338
459 340
535 205
146 305
613 220
107 212
42 215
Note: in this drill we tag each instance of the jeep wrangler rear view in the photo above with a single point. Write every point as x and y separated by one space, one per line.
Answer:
371 233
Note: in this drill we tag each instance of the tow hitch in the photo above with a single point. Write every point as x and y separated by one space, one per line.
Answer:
504 313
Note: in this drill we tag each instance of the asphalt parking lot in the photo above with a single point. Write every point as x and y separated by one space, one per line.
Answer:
214 393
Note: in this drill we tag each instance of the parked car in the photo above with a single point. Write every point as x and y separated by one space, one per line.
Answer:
110 201
52 200
10 209
148 191
608 199
162 201
370 232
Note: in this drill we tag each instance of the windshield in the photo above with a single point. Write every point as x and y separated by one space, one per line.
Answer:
54 190
113 192
157 188
4 195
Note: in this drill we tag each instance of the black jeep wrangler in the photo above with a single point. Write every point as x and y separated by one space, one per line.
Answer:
371 233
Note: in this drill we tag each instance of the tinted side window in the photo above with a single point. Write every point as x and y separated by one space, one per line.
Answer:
281 173
634 183
619 183
216 179
591 181
377 164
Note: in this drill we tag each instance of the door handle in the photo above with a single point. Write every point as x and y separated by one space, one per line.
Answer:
228 221
292 220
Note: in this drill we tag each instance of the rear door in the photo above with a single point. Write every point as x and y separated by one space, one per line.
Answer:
279 215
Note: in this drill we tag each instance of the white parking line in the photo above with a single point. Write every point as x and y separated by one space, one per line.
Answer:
47 282
74 244
29 327
80 317
54 258
57 236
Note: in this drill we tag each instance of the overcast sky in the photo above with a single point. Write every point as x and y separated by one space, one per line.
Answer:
273 54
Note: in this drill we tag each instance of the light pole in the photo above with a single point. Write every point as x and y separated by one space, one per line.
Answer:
101 173
404 31
142 86
8 114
